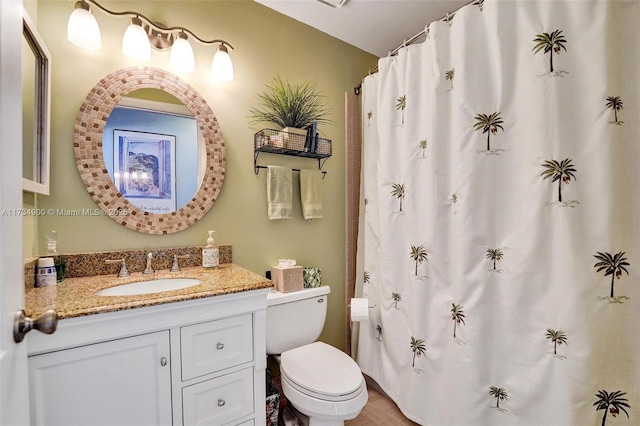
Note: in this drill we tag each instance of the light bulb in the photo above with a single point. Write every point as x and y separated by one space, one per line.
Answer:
82 28
135 43
181 57
221 66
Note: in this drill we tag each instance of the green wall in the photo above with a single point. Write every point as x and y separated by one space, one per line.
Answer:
266 43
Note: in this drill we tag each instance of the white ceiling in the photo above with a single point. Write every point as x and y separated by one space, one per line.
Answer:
375 26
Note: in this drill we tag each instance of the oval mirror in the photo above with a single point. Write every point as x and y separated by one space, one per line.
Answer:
149 150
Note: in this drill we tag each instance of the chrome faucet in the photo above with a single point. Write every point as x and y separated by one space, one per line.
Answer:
149 269
123 267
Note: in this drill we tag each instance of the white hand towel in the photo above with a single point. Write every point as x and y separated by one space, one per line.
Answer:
311 193
279 192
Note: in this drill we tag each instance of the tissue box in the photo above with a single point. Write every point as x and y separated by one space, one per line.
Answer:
287 279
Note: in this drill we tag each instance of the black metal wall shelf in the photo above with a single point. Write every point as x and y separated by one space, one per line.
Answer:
285 143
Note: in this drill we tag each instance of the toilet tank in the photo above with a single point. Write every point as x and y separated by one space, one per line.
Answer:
295 318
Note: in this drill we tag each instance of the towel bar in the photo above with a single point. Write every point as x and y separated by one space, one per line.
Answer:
324 173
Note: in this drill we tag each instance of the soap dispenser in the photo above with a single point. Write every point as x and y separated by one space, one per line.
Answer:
210 254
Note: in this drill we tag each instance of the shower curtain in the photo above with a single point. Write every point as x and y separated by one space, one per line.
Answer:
500 217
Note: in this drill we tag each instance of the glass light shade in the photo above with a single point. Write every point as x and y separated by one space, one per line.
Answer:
135 43
221 66
181 57
83 30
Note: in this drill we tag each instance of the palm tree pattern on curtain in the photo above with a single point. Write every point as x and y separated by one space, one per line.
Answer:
396 297
557 337
558 172
488 124
398 192
422 145
612 265
379 331
611 403
418 348
418 255
401 104
561 172
449 75
457 315
550 43
615 103
495 255
500 394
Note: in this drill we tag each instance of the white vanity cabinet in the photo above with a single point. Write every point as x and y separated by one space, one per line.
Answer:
120 382
198 362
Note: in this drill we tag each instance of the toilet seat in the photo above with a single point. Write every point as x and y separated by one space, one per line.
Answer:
323 372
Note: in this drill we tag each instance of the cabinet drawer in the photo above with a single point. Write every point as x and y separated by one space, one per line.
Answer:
219 401
215 345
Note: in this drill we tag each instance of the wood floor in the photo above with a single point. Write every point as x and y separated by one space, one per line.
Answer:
380 410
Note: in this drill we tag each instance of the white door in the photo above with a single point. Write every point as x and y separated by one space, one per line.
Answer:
14 402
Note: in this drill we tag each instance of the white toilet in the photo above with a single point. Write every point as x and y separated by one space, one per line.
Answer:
319 380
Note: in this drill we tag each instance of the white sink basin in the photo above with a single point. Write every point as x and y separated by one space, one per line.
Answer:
151 286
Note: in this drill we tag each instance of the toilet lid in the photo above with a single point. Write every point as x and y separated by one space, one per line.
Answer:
321 369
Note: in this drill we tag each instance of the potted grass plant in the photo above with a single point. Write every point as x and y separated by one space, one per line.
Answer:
291 107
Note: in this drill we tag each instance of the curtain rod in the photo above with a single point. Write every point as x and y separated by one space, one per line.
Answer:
417 36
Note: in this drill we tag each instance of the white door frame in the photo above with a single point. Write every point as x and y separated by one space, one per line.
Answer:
14 392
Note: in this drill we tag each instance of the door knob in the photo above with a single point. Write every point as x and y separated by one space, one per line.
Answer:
45 323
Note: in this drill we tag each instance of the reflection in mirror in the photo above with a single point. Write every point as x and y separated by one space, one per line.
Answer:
152 149
91 160
36 88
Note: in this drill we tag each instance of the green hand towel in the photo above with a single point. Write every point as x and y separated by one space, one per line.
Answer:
311 193
279 192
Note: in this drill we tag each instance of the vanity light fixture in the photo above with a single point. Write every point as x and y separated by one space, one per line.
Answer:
83 29
221 66
142 34
181 57
135 43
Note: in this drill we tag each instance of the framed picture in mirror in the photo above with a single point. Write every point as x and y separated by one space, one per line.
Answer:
144 169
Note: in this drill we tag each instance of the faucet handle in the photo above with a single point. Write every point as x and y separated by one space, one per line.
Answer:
176 267
123 267
149 268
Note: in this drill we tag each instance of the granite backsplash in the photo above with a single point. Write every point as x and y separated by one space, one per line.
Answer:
91 264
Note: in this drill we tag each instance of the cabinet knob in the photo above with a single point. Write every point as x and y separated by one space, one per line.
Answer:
221 402
45 323
163 361
220 346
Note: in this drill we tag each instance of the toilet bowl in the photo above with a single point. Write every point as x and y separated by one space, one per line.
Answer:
323 383
318 380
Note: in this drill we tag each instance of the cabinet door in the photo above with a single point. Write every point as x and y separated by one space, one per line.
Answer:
119 382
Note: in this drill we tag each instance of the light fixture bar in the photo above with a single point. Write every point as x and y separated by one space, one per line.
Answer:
155 25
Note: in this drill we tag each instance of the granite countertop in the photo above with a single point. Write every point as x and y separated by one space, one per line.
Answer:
75 297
